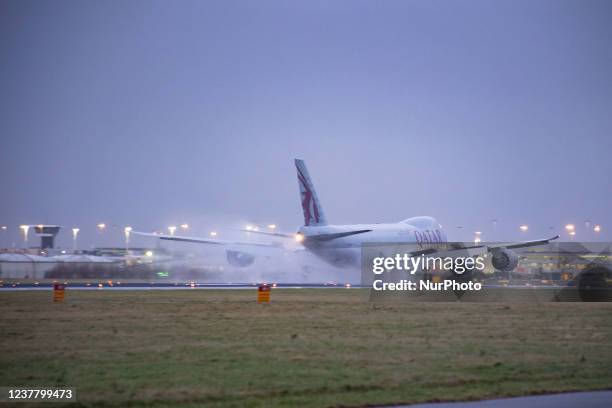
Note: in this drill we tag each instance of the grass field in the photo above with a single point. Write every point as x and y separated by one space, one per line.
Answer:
309 348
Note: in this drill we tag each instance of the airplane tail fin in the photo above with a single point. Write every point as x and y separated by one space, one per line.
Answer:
313 213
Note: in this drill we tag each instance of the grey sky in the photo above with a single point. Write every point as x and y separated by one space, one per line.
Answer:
149 113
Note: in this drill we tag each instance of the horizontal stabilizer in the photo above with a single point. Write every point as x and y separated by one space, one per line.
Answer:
329 237
271 234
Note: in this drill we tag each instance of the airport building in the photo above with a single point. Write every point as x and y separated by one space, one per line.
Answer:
24 266
47 234
560 261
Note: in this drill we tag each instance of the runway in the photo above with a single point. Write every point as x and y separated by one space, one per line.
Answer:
118 284
167 286
595 399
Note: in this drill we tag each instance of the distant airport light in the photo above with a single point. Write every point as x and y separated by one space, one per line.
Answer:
127 231
185 226
299 237
570 227
572 233
249 228
477 240
272 226
3 228
149 253
478 232
213 233
25 229
101 227
597 228
171 228
524 227
256 228
75 233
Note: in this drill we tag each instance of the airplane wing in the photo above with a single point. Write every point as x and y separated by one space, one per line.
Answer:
523 244
207 241
317 237
474 250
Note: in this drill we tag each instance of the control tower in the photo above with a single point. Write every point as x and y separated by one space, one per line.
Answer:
47 234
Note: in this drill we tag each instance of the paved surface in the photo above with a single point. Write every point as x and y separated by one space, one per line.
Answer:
104 285
596 399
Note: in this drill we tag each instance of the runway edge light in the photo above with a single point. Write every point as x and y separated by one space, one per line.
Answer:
58 292
263 293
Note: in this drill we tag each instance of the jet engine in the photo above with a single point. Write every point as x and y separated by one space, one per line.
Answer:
504 260
241 259
593 284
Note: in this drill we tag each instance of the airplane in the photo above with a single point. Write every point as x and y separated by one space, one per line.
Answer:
340 245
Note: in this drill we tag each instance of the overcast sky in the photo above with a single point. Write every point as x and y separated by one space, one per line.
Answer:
149 113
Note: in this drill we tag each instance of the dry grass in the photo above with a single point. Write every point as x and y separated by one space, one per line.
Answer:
308 348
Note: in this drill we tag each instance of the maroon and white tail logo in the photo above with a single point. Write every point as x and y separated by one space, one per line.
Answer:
311 212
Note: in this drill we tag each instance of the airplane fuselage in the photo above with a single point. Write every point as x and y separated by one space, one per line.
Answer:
346 251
